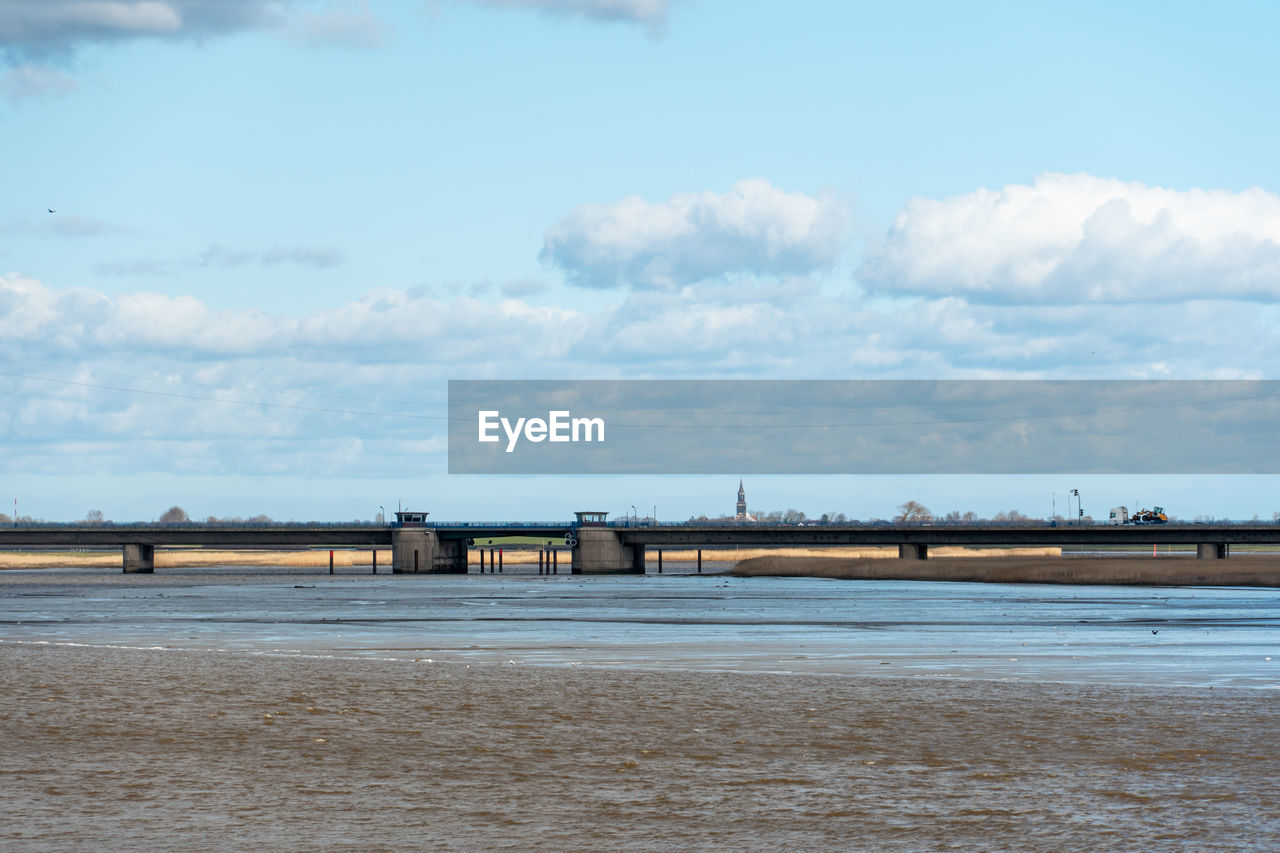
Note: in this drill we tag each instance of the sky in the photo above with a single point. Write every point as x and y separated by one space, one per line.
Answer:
279 228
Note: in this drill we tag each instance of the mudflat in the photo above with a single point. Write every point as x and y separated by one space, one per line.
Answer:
1244 570
108 748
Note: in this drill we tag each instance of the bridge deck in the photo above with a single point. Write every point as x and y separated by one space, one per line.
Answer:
675 535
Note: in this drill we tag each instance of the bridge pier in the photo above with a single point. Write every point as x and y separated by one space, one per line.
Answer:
1212 551
600 551
913 551
139 559
417 550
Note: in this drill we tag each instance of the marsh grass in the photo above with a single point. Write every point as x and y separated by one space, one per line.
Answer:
196 557
190 557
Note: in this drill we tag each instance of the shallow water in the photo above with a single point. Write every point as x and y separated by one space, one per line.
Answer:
175 750
230 708
1027 632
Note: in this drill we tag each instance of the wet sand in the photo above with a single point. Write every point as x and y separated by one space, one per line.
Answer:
1247 570
120 748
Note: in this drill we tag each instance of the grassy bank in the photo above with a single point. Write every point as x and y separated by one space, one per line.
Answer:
1160 571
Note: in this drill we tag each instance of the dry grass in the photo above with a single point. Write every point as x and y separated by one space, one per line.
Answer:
194 557
1162 571
730 555
181 558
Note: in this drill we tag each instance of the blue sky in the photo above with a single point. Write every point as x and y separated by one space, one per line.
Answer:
281 227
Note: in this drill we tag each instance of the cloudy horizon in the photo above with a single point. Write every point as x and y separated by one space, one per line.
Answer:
245 245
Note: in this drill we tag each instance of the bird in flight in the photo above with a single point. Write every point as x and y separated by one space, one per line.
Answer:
51 210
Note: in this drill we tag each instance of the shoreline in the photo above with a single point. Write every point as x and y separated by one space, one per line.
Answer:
1245 570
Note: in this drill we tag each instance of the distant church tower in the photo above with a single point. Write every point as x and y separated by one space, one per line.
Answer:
741 514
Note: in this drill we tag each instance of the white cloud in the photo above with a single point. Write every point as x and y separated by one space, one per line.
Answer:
348 25
1079 238
651 13
54 28
755 228
29 81
320 257
38 26
151 382
222 257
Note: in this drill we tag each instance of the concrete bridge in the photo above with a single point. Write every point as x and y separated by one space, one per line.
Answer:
421 547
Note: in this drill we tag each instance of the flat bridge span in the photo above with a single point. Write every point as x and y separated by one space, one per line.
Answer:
443 547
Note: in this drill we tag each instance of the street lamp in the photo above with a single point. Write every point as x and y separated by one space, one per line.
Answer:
637 514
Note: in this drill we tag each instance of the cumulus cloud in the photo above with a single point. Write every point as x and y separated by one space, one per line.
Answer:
755 228
650 13
152 382
1080 238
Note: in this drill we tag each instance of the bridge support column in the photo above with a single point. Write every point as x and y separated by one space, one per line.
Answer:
422 551
139 559
1212 551
913 551
449 557
600 551
412 550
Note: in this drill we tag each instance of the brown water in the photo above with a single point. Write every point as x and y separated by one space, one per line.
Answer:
128 749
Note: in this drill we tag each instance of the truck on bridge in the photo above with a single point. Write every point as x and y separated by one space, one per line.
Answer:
1120 515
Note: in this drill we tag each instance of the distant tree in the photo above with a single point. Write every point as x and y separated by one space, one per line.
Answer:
952 517
1275 516
174 515
913 511
969 517
793 516
94 516
380 518
259 519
